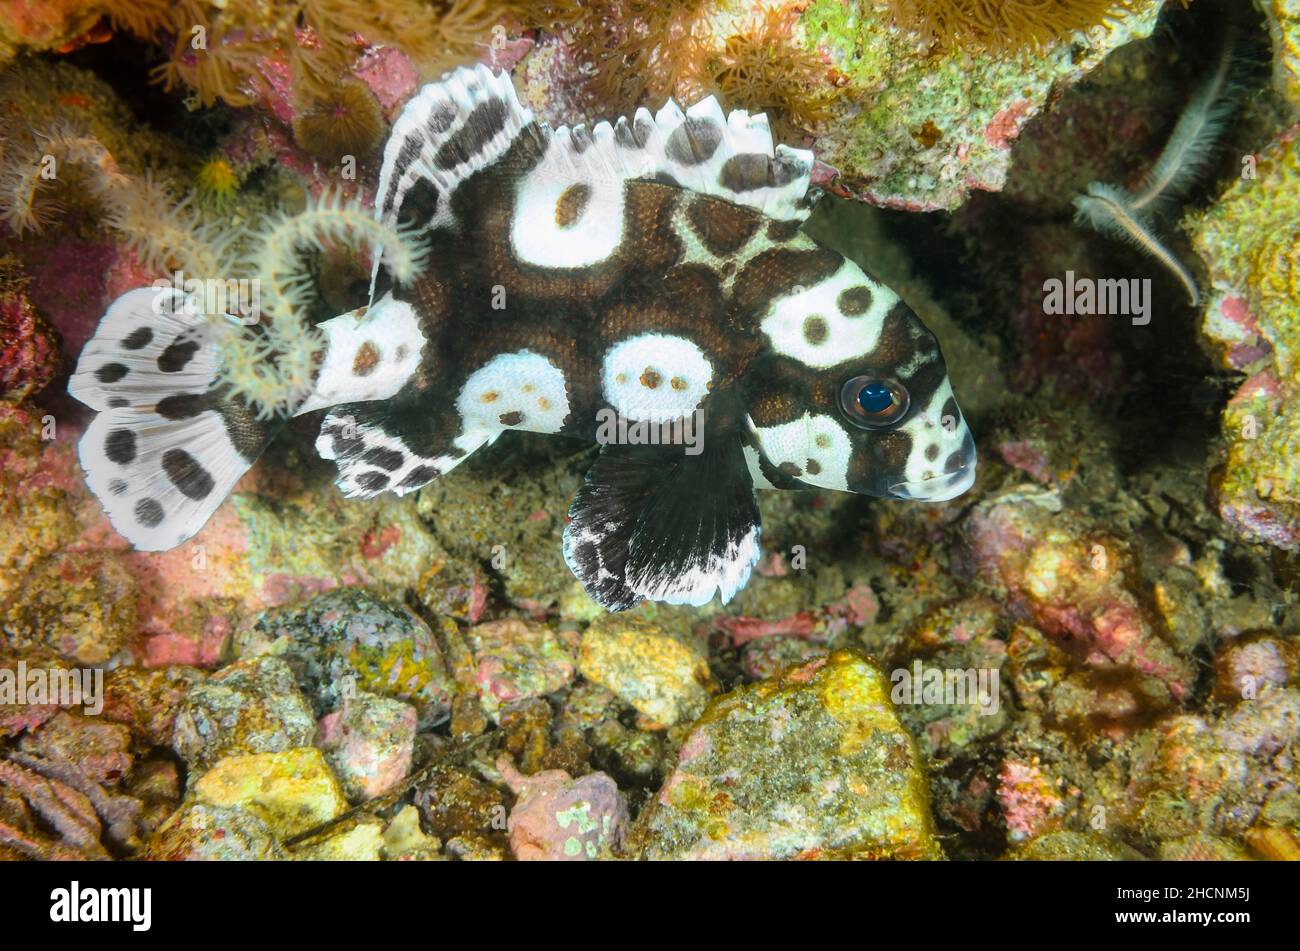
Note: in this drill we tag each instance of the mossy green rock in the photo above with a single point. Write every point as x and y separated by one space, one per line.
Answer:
200 831
349 635
1075 847
919 127
1250 243
253 706
812 764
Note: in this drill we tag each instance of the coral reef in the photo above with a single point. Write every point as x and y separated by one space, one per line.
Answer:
897 118
1002 24
1249 242
220 49
29 346
1094 654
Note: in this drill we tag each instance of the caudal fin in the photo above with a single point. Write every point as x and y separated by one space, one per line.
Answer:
168 443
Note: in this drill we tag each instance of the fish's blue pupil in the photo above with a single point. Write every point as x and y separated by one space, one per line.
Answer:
875 397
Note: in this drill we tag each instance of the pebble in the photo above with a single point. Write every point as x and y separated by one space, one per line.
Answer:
369 743
349 639
291 791
559 818
813 764
663 676
252 706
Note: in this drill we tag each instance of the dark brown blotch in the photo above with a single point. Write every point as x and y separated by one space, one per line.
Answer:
895 346
782 231
137 339
346 446
177 355
419 476
367 358
419 204
390 459
651 246
187 474
693 142
181 405
407 154
572 203
481 125
149 513
776 272
815 330
854 301
625 136
110 372
642 128
774 409
580 136
442 116
752 171
724 228
893 448
119 446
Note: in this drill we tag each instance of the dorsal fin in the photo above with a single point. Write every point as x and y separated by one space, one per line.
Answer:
470 118
702 150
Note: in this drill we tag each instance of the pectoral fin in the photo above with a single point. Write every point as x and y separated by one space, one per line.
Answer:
653 523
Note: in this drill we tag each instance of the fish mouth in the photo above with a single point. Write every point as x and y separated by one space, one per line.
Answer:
939 489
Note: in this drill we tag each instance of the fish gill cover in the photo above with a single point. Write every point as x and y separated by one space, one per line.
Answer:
698 429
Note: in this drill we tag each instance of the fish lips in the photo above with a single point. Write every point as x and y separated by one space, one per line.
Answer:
938 489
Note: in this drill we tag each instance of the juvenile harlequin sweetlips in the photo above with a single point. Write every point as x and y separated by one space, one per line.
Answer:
651 269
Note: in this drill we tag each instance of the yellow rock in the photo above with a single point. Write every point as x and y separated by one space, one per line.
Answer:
663 677
361 842
405 841
292 791
811 764
1284 26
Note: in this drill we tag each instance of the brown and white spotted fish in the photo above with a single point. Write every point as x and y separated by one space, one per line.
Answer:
650 268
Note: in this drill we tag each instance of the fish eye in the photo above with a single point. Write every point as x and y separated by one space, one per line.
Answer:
873 403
